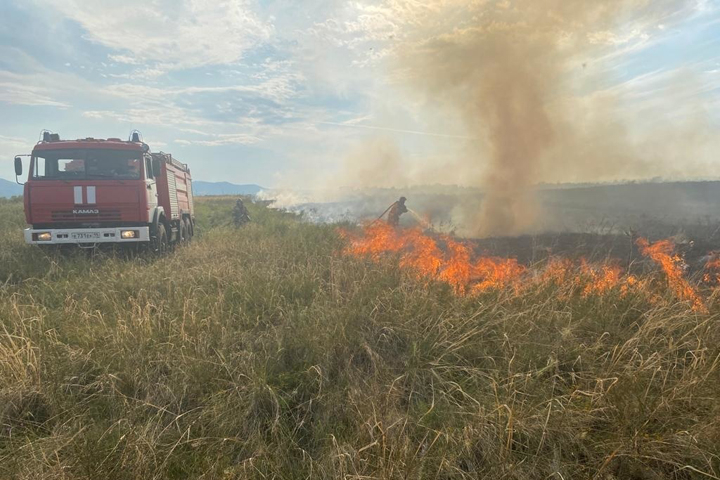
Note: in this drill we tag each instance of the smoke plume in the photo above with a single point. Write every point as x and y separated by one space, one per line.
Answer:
510 69
375 162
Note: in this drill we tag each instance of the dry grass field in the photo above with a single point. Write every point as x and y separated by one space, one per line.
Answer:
271 352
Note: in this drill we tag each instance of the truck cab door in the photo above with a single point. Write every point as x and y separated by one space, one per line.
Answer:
150 187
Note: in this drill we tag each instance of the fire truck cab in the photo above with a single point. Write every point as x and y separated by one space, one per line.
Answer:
90 192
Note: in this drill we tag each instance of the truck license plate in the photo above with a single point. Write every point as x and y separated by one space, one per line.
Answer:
85 236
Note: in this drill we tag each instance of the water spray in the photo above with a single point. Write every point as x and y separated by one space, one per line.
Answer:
422 221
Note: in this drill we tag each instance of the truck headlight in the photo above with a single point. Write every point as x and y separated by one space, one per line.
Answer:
126 234
43 237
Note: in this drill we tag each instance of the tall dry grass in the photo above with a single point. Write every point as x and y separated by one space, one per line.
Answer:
265 353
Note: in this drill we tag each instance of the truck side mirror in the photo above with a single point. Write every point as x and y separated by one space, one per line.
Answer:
18 166
156 166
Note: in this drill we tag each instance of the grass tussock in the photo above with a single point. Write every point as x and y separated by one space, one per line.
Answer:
265 353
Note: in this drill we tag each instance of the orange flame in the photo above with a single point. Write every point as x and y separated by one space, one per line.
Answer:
711 276
456 269
381 239
495 273
557 271
601 279
663 253
422 255
452 261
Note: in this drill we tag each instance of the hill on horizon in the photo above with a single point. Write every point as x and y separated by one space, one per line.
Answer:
9 189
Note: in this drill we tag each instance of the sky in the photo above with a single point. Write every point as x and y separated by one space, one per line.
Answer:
296 94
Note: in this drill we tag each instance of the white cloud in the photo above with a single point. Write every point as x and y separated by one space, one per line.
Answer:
211 132
38 85
216 140
278 88
167 115
126 59
242 113
174 34
15 144
27 94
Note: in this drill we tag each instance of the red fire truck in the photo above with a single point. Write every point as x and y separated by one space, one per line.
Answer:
90 192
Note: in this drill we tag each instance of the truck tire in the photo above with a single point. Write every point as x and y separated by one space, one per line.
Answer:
160 244
188 228
183 234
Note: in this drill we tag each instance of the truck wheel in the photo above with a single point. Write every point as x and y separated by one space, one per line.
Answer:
188 228
161 242
183 234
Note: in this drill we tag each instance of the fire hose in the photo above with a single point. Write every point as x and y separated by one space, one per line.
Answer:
383 214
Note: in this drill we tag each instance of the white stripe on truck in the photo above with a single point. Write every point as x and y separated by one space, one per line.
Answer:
78 195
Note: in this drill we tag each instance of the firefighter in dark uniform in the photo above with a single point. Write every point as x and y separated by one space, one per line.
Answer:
241 216
397 209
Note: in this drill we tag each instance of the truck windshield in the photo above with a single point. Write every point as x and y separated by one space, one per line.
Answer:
87 164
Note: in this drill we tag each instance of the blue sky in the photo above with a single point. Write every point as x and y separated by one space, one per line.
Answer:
284 93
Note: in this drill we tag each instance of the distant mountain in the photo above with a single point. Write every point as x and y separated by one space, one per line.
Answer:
9 189
224 188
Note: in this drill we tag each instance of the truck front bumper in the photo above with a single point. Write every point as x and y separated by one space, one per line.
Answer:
86 235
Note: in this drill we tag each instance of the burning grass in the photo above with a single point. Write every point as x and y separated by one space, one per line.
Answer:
268 353
452 261
663 253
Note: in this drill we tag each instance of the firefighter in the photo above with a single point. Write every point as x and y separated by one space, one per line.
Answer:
241 216
397 209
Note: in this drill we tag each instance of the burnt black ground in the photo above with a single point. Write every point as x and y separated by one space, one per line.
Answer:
619 249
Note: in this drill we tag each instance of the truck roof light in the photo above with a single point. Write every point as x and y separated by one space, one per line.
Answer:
48 136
